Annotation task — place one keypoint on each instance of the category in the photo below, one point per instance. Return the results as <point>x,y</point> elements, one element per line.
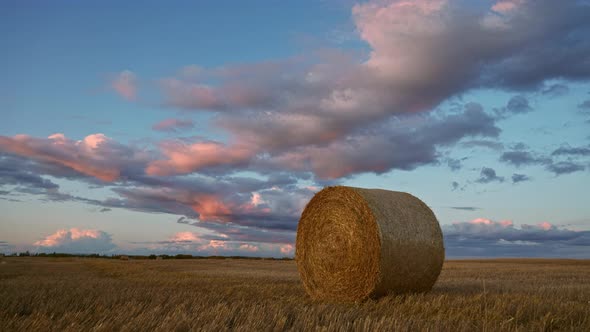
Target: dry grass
<point>41,294</point>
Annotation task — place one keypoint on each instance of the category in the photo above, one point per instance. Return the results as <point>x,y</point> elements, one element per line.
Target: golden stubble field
<point>89,294</point>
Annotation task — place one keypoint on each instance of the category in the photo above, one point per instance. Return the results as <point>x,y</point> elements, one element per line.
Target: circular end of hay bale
<point>355,243</point>
<point>338,246</point>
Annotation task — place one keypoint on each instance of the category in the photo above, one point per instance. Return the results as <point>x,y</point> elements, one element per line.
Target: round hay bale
<point>355,243</point>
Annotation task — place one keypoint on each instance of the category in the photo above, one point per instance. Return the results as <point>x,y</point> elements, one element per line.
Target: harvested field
<point>40,294</point>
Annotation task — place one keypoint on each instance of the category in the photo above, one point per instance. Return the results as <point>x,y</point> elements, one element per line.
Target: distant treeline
<point>179,256</point>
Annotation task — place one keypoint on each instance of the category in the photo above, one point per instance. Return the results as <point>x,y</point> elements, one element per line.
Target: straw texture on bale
<point>355,243</point>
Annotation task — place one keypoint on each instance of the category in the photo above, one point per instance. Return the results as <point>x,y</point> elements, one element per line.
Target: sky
<point>205,127</point>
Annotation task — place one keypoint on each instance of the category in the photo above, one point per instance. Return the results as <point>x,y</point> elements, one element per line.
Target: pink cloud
<point>287,249</point>
<point>185,237</point>
<point>191,95</point>
<point>185,158</point>
<point>92,156</point>
<point>256,199</point>
<point>505,6</point>
<point>173,125</point>
<point>249,247</point>
<point>483,221</point>
<point>545,225</point>
<point>125,84</point>
<point>76,240</point>
<point>211,207</point>
<point>488,222</point>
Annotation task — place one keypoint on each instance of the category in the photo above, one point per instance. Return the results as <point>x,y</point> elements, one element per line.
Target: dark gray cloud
<point>488,175</point>
<point>572,151</point>
<point>516,105</point>
<point>585,105</point>
<point>519,146</point>
<point>487,238</point>
<point>517,178</point>
<point>493,145</point>
<point>183,220</point>
<point>455,185</point>
<point>565,167</point>
<point>555,90</point>
<point>454,164</point>
<point>18,172</point>
<point>465,208</point>
<point>523,158</point>
<point>413,141</point>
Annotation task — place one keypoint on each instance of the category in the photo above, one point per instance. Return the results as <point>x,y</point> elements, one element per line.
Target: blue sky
<point>205,127</point>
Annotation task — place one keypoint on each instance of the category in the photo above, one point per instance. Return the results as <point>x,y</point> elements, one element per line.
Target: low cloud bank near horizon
<point>487,238</point>
<point>478,238</point>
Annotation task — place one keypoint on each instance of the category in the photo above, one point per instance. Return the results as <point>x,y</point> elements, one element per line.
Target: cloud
<point>125,85</point>
<point>292,108</point>
<point>465,208</point>
<point>12,172</point>
<point>413,138</point>
<point>225,200</point>
<point>219,243</point>
<point>76,241</point>
<point>173,125</point>
<point>454,164</point>
<point>517,178</point>
<point>287,249</point>
<point>565,167</point>
<point>572,151</point>
<point>488,175</point>
<point>555,90</point>
<point>498,146</point>
<point>183,158</point>
<point>96,155</point>
<point>516,105</point>
<point>487,238</point>
<point>584,106</point>
<point>523,158</point>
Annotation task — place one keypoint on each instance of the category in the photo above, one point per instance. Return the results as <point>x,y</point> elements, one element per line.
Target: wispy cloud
<point>488,175</point>
<point>125,85</point>
<point>517,178</point>
<point>173,125</point>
